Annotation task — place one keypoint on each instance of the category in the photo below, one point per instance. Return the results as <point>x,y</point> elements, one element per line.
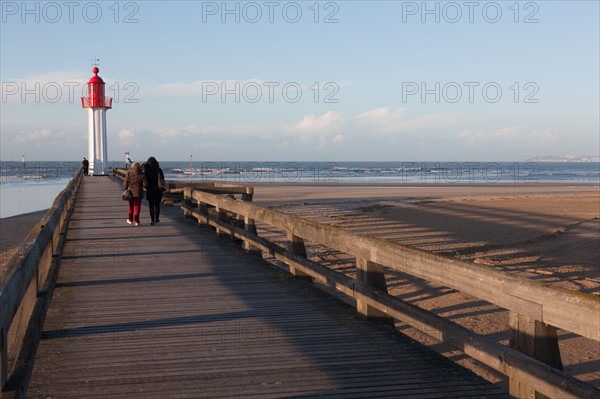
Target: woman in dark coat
<point>154,193</point>
<point>135,182</point>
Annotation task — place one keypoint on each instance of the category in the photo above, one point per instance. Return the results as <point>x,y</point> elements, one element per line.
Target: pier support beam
<point>250,227</point>
<point>371,274</point>
<point>187,201</point>
<point>296,246</point>
<point>536,339</point>
<point>222,216</point>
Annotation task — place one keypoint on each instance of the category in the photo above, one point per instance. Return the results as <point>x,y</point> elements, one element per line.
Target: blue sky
<point>339,81</point>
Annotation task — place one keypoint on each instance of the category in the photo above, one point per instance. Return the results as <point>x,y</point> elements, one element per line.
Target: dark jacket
<point>134,181</point>
<point>153,193</point>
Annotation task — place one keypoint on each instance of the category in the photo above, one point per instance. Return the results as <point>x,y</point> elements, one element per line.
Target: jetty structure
<point>92,307</point>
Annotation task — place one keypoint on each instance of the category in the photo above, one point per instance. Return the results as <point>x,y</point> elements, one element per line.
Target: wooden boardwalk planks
<point>170,311</point>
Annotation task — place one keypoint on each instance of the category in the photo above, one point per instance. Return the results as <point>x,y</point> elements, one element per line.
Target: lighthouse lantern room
<point>97,104</point>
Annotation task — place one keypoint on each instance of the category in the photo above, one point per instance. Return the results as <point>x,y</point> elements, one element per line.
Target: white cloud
<point>61,87</point>
<point>195,131</point>
<point>314,130</point>
<point>388,120</point>
<point>340,138</point>
<point>509,134</point>
<point>315,125</point>
<point>323,129</point>
<point>38,137</point>
<point>127,136</point>
<point>49,88</point>
<point>39,144</point>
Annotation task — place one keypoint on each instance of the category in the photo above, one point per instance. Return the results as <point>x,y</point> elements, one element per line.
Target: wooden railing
<point>175,187</point>
<point>26,289</point>
<point>536,310</point>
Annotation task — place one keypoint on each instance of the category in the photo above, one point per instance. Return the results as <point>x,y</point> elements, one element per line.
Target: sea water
<point>382,172</point>
<point>33,186</point>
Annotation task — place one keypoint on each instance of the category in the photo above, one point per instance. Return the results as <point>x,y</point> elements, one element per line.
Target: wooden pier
<point>94,307</point>
<point>172,311</point>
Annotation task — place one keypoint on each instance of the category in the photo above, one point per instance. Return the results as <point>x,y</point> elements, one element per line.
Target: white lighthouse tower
<point>97,105</point>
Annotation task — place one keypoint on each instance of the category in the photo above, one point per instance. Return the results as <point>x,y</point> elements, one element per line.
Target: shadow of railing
<point>536,310</point>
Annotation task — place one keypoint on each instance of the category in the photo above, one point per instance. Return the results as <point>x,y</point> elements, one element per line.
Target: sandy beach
<point>546,232</point>
<point>13,231</point>
<point>549,233</point>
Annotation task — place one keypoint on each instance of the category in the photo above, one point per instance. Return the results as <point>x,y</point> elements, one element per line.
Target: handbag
<point>162,185</point>
<point>127,195</point>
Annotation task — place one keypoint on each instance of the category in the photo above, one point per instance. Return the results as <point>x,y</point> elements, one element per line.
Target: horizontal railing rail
<point>26,288</point>
<point>529,302</point>
<point>177,186</point>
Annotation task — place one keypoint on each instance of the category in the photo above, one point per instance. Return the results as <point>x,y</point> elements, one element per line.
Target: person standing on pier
<point>155,185</point>
<point>128,161</point>
<point>135,182</point>
<point>85,165</point>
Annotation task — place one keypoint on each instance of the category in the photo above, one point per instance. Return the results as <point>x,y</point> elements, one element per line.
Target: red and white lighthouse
<point>97,105</point>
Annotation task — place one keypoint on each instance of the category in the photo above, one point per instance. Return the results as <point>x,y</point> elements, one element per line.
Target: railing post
<point>187,201</point>
<point>221,216</point>
<point>372,274</point>
<point>236,220</point>
<point>537,340</point>
<point>250,227</point>
<point>296,246</point>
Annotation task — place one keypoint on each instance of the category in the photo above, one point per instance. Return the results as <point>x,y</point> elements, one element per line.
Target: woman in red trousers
<point>134,181</point>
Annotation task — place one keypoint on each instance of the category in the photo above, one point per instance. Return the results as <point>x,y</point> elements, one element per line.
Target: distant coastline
<point>562,158</point>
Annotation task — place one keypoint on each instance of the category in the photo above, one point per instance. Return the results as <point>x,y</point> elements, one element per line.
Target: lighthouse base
<point>97,154</point>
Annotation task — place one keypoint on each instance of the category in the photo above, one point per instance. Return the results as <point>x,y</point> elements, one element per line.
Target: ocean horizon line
<point>579,159</point>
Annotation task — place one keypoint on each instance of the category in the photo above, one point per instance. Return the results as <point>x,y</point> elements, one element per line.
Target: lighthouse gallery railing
<point>85,102</point>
